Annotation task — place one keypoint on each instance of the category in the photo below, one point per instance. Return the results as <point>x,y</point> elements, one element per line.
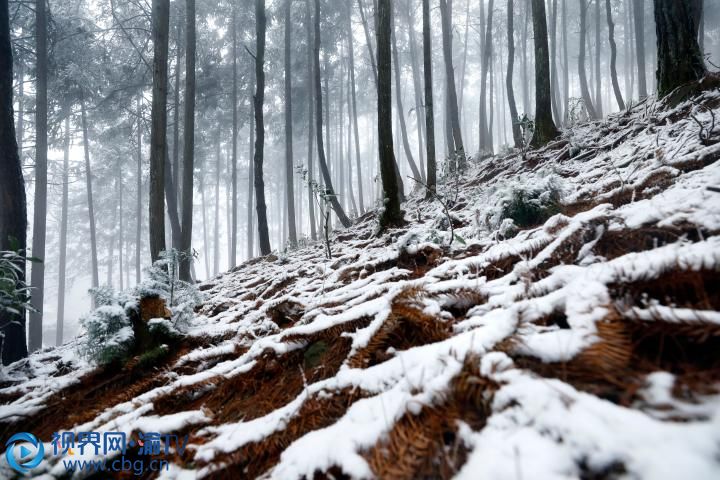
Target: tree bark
<point>311,124</point>
<point>417,83</point>
<point>260,25</point>
<point>289,186</point>
<point>329,191</point>
<point>234,146</point>
<point>13,208</point>
<point>251,232</point>
<point>63,233</point>
<point>391,214</point>
<point>613,56</point>
<point>585,91</point>
<point>138,209</point>
<point>176,111</point>
<point>545,129</point>
<point>459,150</point>
<point>566,64</point>
<point>158,129</point>
<point>40,221</point>
<point>485,134</point>
<point>90,202</point>
<point>361,7</point>
<point>598,73</point>
<point>517,136</point>
<point>639,17</point>
<point>188,143</point>
<point>553,64</point>
<point>429,112</point>
<point>680,59</point>
<point>216,223</point>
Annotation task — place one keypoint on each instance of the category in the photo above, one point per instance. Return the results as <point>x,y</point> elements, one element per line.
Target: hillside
<point>580,342</point>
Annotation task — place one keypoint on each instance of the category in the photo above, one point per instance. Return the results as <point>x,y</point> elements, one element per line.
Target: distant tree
<point>13,214</point>
<point>639,17</point>
<point>613,56</point>
<point>259,101</point>
<point>486,142</point>
<point>454,118</point>
<point>391,213</point>
<point>680,59</point>
<point>545,129</point>
<point>158,129</point>
<point>584,89</point>
<point>329,190</point>
<point>517,140</point>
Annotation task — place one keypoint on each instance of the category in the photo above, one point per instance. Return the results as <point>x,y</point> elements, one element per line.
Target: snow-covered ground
<point>585,347</point>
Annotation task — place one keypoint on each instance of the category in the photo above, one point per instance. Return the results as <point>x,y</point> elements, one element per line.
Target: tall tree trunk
<point>545,129</point>
<point>330,192</point>
<point>91,203</point>
<point>188,143</point>
<point>517,138</point>
<point>138,209</point>
<point>13,207</point>
<point>553,64</point>
<point>216,222</point>
<point>581,61</point>
<point>158,129</point>
<point>350,189</point>
<point>356,134</point>
<point>233,158</point>
<point>639,17</point>
<point>21,110</point>
<point>680,59</point>
<point>121,229</point>
<point>368,40</point>
<point>40,205</point>
<point>311,124</point>
<point>485,133</point>
<point>289,190</point>
<point>391,214</point>
<point>260,25</point>
<point>401,114</point>
<point>63,233</point>
<point>429,112</point>
<point>251,232</point>
<point>566,64</point>
<point>464,61</point>
<point>524,42</point>
<point>176,111</point>
<point>613,56</point>
<point>417,82</point>
<point>598,73</point>
<point>459,150</point>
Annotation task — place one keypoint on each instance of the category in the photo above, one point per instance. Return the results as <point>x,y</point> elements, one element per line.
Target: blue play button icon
<point>24,451</point>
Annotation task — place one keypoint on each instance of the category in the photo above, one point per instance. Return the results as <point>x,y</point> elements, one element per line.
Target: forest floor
<point>583,345</point>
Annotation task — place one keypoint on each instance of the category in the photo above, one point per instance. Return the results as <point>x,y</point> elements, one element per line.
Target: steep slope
<point>584,345</point>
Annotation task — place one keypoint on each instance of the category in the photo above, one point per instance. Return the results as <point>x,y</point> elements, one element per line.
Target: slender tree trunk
<point>485,133</point>
<point>251,191</point>
<point>351,55</point>
<point>368,40</point>
<point>158,142</point>
<point>40,205</point>
<point>517,139</point>
<point>613,56</point>
<point>21,110</point>
<point>524,42</point>
<point>233,159</point>
<point>329,191</point>
<point>429,113</point>
<point>417,82</point>
<point>216,223</point>
<point>459,150</point>
<point>89,190</point>
<point>63,233</point>
<point>189,142</point>
<point>680,59</point>
<point>311,124</point>
<point>289,192</point>
<point>350,189</point>
<point>553,64</point>
<point>639,17</point>
<point>138,209</point>
<point>13,207</point>
<point>400,110</point>
<point>260,24</point>
<point>598,73</point>
<point>391,214</point>
<point>566,63</point>
<point>176,111</point>
<point>545,129</point>
<point>121,229</point>
<point>581,61</point>
<point>464,61</point>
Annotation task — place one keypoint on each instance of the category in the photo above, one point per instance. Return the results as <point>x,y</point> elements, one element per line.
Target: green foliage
<point>109,334</point>
<point>14,293</point>
<point>313,355</point>
<point>532,205</point>
<point>153,356</point>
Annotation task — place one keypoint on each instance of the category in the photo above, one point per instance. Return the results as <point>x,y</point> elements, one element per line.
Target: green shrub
<point>109,334</point>
<point>529,205</point>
